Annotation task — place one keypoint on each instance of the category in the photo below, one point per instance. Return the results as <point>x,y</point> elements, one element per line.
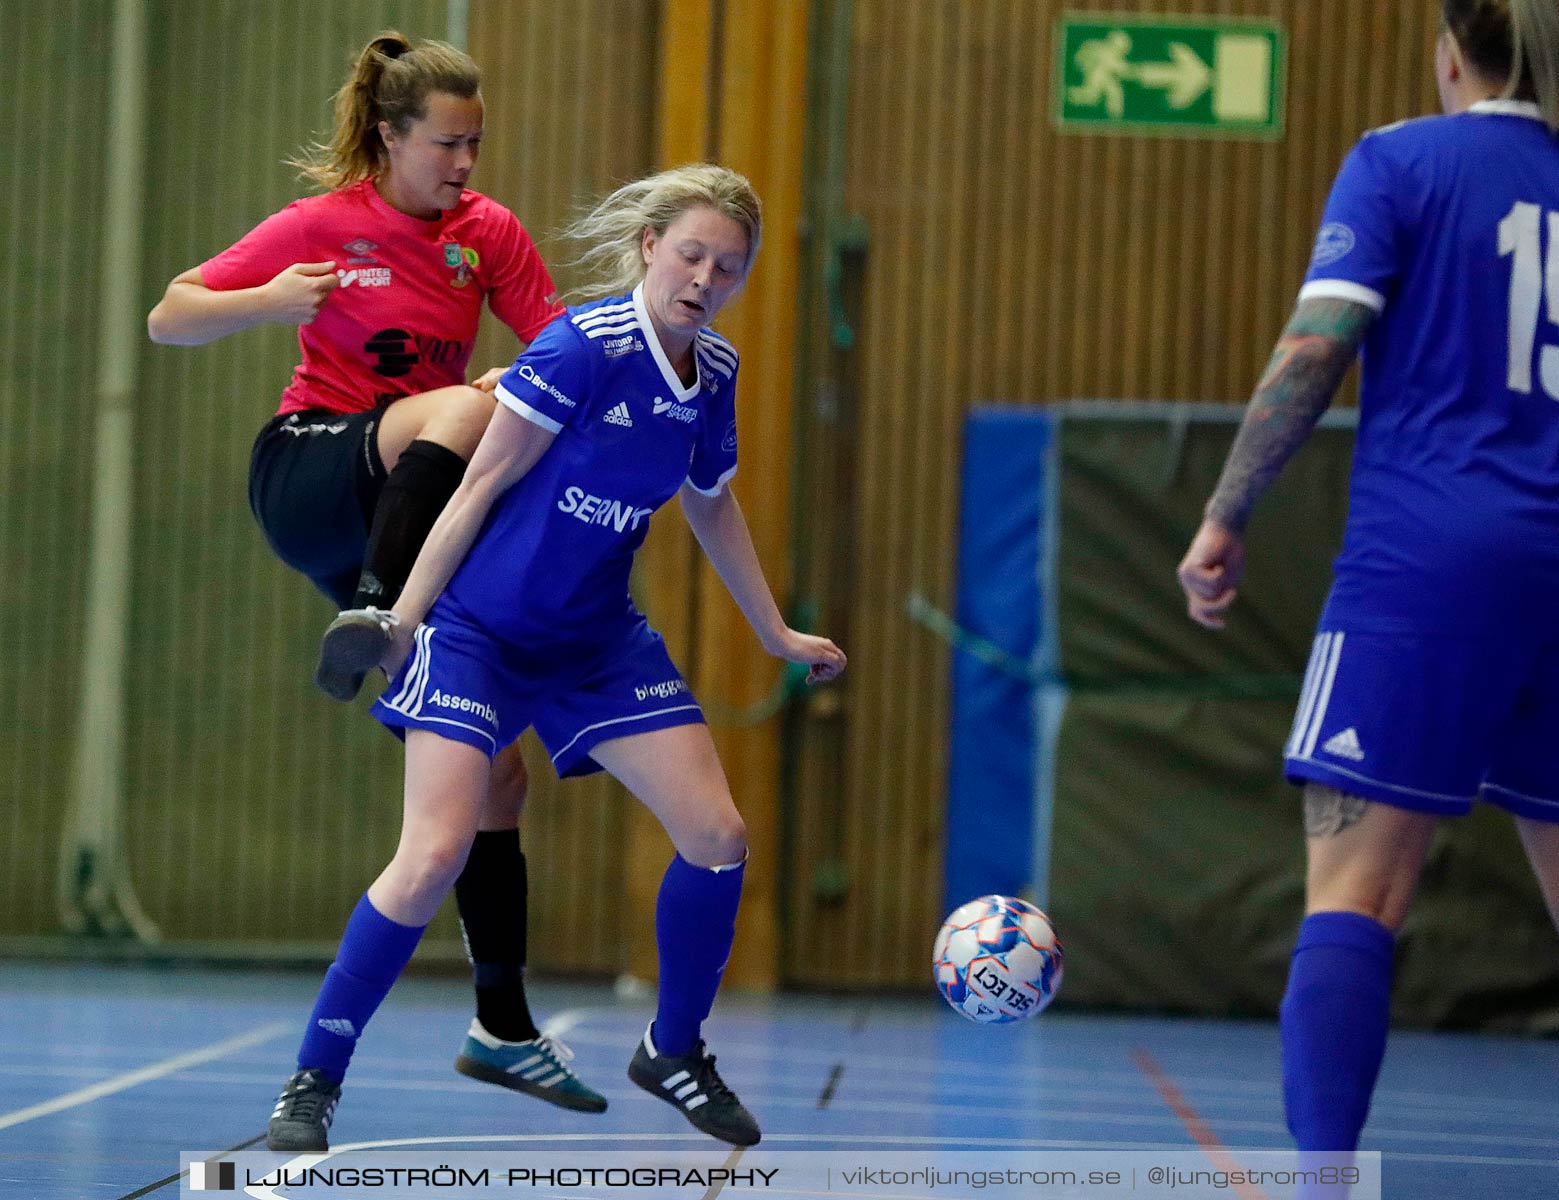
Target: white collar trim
<point>1508,108</point>
<point>682,391</point>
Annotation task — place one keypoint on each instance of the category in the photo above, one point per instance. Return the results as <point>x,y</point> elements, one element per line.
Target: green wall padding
<point>1177,861</point>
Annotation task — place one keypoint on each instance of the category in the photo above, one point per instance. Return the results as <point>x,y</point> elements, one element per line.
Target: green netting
<point>1177,860</point>
<point>1130,495</point>
<point>1177,870</point>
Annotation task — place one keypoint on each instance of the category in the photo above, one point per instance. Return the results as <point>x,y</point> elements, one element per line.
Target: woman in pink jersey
<point>384,274</point>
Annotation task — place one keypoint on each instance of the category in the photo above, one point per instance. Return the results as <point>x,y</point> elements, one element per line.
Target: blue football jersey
<point>550,565</point>
<point>1448,227</point>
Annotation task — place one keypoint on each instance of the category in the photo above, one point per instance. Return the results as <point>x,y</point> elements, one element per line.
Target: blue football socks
<point>1335,1015</point>
<point>374,950</point>
<point>695,924</point>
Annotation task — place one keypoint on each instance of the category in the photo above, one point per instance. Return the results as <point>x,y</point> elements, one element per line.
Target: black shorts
<point>314,479</point>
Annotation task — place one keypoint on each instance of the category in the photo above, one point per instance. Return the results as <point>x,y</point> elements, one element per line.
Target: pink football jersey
<point>404,317</point>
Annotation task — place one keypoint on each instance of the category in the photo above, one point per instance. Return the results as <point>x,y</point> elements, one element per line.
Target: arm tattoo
<point>1307,364</point>
<point>1328,812</point>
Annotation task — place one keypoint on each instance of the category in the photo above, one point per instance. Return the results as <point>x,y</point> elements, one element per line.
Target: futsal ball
<point>997,960</point>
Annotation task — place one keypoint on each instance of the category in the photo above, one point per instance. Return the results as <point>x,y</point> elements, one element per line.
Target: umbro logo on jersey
<point>339,1026</point>
<point>1345,745</point>
<point>360,246</point>
<point>620,416</point>
<point>677,412</point>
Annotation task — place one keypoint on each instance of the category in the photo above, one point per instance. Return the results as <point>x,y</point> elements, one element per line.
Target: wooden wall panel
<point>733,80</point>
<point>256,810</point>
<point>666,571</point>
<point>761,133</point>
<point>52,128</point>
<point>1010,261</point>
<point>570,92</point>
<point>1002,259</point>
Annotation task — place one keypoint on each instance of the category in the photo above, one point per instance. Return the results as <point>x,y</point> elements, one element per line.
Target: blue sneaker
<point>538,1068</point>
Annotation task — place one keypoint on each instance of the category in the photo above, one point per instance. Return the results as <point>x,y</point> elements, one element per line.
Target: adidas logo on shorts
<point>620,416</point>
<point>1345,745</point>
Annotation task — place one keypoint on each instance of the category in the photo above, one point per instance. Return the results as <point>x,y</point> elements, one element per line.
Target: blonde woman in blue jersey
<point>1435,675</point>
<point>517,614</point>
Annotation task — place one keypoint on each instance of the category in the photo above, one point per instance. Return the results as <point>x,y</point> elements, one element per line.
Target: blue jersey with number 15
<point>1448,227</point>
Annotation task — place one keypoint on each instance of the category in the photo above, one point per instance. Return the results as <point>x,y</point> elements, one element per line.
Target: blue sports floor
<point>111,1071</point>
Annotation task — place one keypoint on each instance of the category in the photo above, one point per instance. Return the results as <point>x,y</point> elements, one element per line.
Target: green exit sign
<point>1127,73</point>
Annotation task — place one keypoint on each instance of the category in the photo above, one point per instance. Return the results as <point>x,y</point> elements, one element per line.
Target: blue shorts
<point>1431,723</point>
<point>464,685</point>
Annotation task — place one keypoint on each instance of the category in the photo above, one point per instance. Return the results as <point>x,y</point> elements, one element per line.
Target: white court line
<point>564,1021</point>
<point>1388,1125</point>
<point>156,1071</point>
<point>804,1100</point>
<point>1208,1089</point>
<point>1386,1130</point>
<point>1202,1087</point>
<point>1036,1071</point>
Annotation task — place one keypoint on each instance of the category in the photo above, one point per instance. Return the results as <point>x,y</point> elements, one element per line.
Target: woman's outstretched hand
<point>824,659</point>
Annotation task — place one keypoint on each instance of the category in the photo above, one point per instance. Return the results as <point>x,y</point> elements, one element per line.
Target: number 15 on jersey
<point>1531,280</point>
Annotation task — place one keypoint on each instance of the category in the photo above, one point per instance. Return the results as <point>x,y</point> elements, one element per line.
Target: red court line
<point>1199,1130</point>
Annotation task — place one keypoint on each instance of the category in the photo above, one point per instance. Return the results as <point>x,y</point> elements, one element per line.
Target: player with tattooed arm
<point>1434,679</point>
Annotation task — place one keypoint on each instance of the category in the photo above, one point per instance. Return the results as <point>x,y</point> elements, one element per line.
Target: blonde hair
<point>1534,36</point>
<point>391,82</point>
<point>613,231</point>
<point>1512,40</point>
